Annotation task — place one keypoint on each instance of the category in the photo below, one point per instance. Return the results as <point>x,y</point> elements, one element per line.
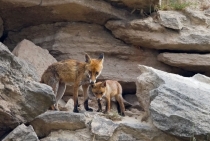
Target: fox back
<point>68,71</point>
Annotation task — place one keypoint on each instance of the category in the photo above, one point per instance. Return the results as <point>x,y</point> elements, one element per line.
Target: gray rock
<point>22,133</point>
<point>57,120</point>
<point>67,135</point>
<point>22,98</point>
<point>102,128</point>
<point>35,55</point>
<point>190,62</point>
<point>149,33</point>
<point>179,105</point>
<point>132,129</point>
<point>171,19</point>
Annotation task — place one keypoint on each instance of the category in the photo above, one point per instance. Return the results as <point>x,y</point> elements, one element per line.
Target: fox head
<point>99,89</point>
<point>94,67</point>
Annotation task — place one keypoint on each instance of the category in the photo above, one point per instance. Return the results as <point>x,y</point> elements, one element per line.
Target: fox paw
<point>89,109</point>
<point>99,110</point>
<point>76,111</point>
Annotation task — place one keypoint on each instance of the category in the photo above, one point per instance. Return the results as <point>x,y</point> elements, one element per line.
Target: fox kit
<point>62,73</point>
<point>108,89</point>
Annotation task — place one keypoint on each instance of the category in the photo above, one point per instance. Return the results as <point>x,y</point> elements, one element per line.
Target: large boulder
<point>21,13</point>
<point>150,33</point>
<point>22,133</point>
<point>57,120</point>
<point>35,55</point>
<point>191,62</point>
<point>22,98</point>
<point>178,105</point>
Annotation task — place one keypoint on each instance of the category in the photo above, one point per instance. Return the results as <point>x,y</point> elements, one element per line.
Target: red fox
<point>59,74</point>
<point>108,89</point>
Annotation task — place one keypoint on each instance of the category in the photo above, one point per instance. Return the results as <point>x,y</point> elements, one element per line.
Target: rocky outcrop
<point>22,98</point>
<point>21,133</point>
<point>149,33</point>
<point>176,103</point>
<point>35,55</point>
<point>57,120</point>
<point>191,62</point>
<point>18,14</point>
<point>72,40</point>
<point>100,129</point>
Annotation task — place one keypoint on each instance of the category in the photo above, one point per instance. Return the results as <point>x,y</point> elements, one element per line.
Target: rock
<point>171,19</point>
<point>71,40</point>
<point>10,4</point>
<point>132,129</point>
<point>139,5</point>
<point>198,17</point>
<point>22,98</point>
<point>21,133</point>
<point>70,105</point>
<point>57,120</point>
<point>1,27</point>
<point>207,12</point>
<point>190,62</point>
<point>149,33</point>
<point>176,103</point>
<point>67,135</point>
<point>102,128</point>
<point>38,57</point>
<point>18,14</point>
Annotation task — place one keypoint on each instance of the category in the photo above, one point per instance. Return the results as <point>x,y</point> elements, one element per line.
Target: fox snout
<point>92,82</point>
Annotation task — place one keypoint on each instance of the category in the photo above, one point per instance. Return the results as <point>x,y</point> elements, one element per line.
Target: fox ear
<point>87,58</point>
<point>103,84</point>
<point>101,57</point>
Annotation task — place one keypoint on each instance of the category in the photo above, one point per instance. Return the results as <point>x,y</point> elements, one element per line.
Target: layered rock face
<point>72,10</point>
<point>166,107</point>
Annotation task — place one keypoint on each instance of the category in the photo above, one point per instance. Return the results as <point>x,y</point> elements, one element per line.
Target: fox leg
<point>54,83</point>
<point>85,95</point>
<point>99,106</point>
<point>60,92</point>
<point>75,96</point>
<point>108,105</point>
<point>119,99</point>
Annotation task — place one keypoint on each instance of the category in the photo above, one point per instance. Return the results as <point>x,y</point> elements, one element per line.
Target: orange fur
<point>107,90</point>
<point>73,72</point>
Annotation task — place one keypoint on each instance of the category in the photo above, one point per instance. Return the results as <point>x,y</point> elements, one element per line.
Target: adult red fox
<point>108,89</point>
<point>75,73</point>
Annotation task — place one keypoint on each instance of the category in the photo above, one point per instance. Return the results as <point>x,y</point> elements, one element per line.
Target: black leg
<point>76,107</point>
<point>86,106</point>
<point>99,106</point>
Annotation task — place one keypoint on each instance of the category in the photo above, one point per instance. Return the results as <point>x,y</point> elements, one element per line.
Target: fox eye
<point>101,93</point>
<point>96,73</point>
<point>90,72</point>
